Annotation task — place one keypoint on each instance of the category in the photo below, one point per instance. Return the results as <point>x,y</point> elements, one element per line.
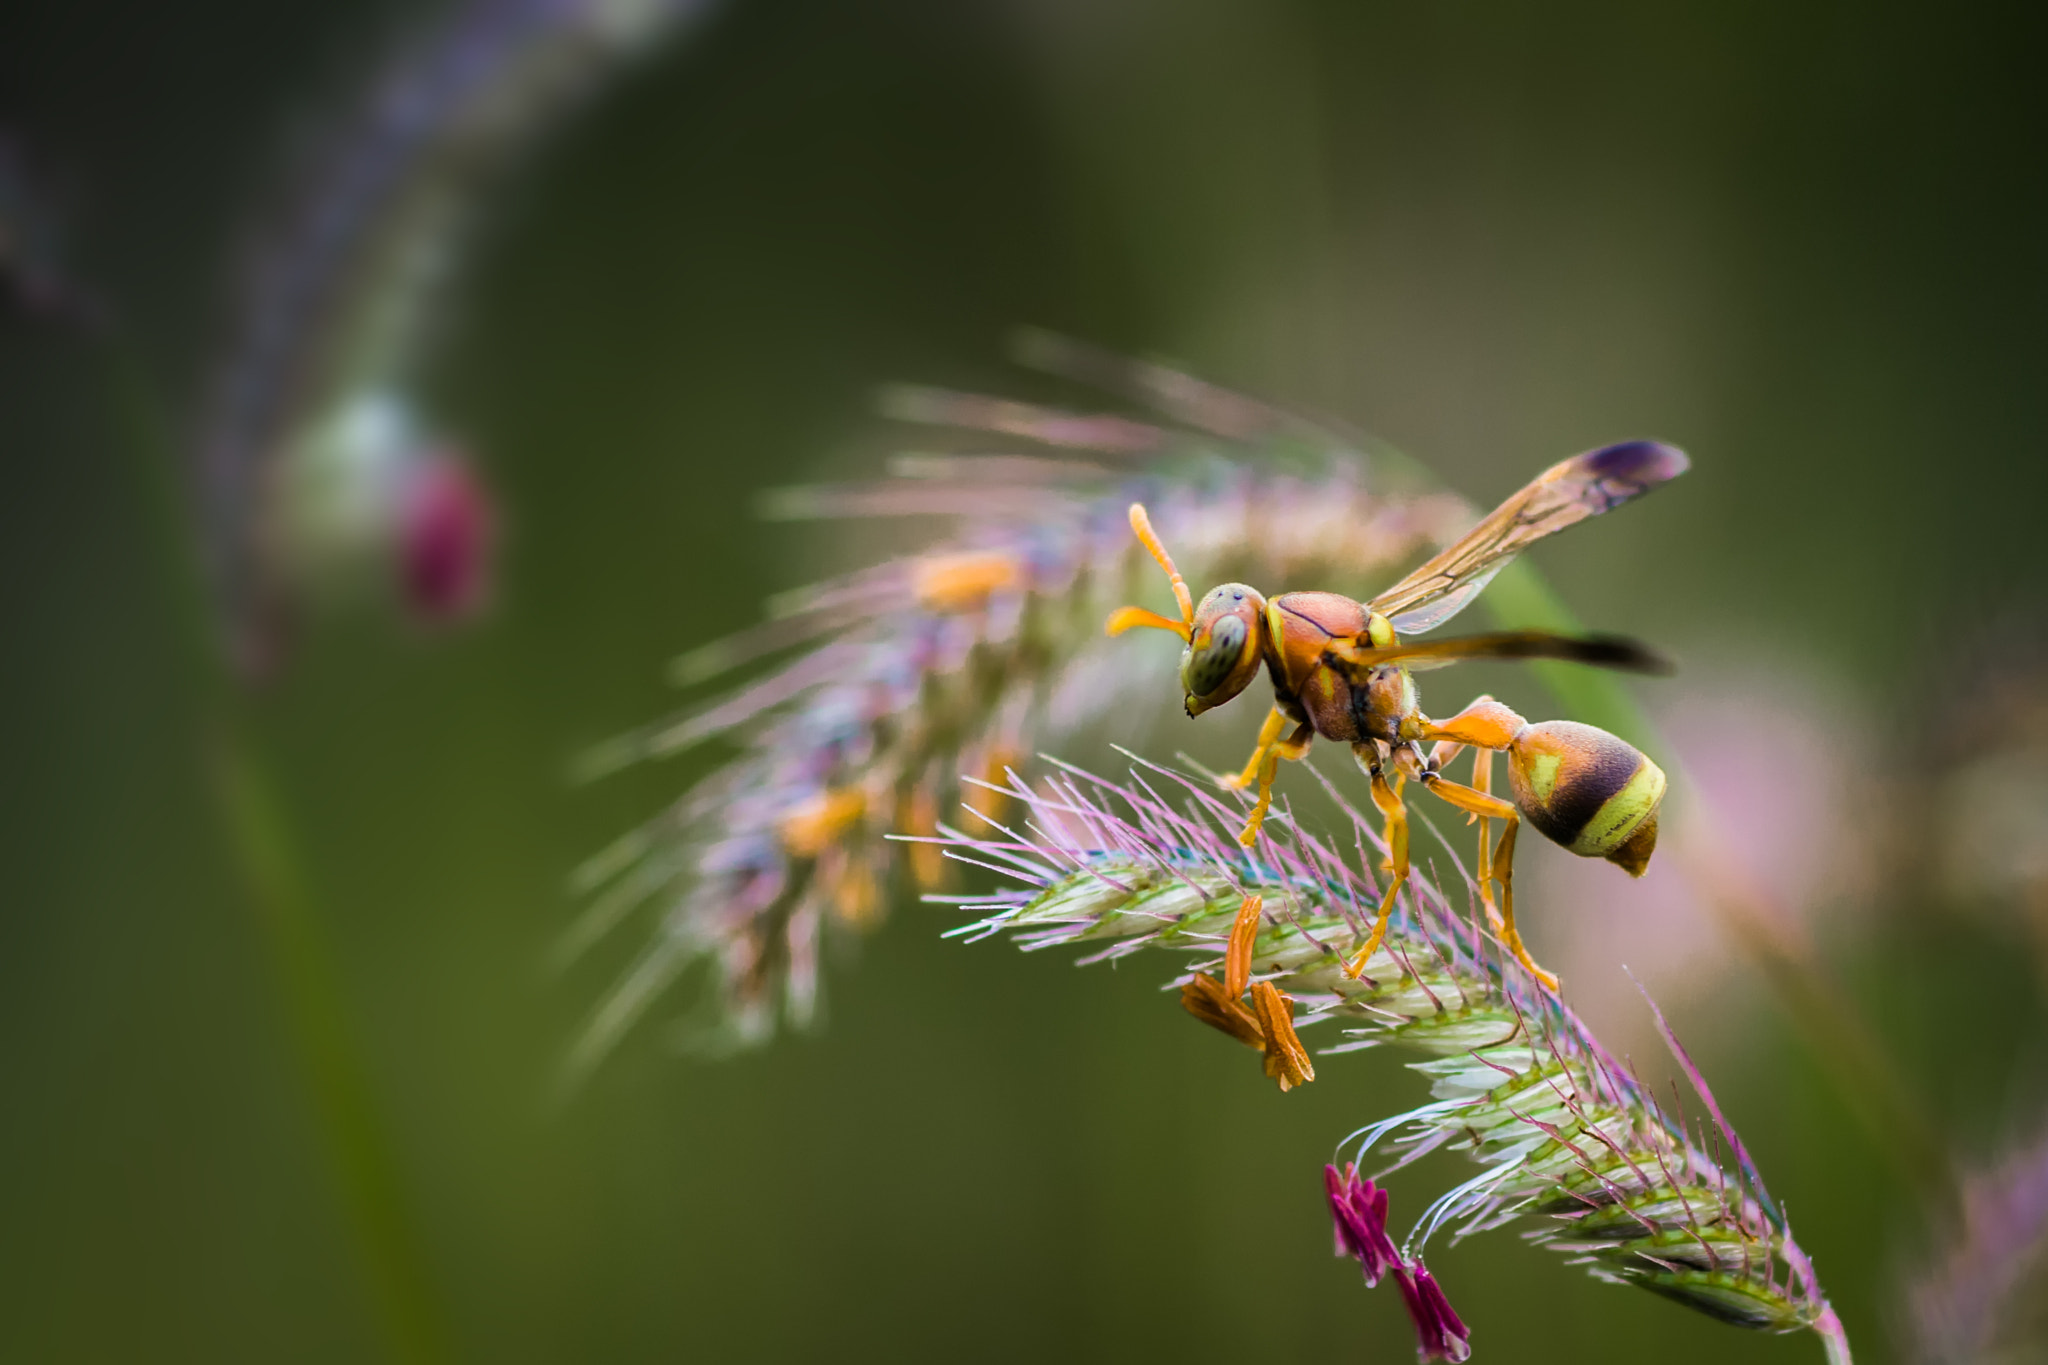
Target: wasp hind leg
<point>1499,867</point>
<point>1486,725</point>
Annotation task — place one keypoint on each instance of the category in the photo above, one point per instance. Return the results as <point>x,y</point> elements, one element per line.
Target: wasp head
<point>1222,634</point>
<point>1223,646</point>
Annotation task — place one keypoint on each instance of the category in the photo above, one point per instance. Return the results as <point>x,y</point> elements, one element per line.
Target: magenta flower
<point>1359,1210</point>
<point>1439,1332</point>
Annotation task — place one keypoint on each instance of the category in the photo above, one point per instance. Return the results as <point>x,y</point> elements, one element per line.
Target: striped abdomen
<point>1587,790</point>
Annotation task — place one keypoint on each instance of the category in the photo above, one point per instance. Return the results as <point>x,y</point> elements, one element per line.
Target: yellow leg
<point>1388,799</point>
<point>1269,735</point>
<point>1293,747</point>
<point>1482,782</point>
<point>1485,724</point>
<point>1500,867</point>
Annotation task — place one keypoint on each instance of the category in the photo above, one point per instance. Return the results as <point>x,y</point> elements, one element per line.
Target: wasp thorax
<point>1223,647</point>
<point>1589,791</point>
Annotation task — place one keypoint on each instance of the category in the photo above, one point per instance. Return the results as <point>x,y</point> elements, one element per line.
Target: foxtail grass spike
<point>1566,1138</point>
<point>963,657</point>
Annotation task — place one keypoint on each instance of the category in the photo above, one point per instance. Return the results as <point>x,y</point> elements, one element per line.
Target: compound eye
<point>1209,667</point>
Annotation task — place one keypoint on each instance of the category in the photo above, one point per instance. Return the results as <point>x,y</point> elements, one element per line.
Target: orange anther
<point>1204,997</point>
<point>1286,1059</point>
<point>1237,957</point>
<point>809,829</point>
<point>961,582</point>
<point>918,813</point>
<point>856,896</point>
<point>996,765</point>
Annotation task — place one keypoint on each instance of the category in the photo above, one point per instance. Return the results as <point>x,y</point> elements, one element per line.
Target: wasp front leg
<point>1290,749</point>
<point>1387,797</point>
<point>1269,735</point>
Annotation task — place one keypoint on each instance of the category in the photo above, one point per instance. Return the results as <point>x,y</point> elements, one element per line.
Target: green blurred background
<point>1803,241</point>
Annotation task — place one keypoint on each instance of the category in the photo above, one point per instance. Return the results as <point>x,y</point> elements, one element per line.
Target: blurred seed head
<point>1980,1299</point>
<point>446,526</point>
<point>368,500</point>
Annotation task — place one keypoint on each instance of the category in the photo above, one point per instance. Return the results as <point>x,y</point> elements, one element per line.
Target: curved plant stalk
<point>339,291</point>
<point>961,658</point>
<point>1612,1175</point>
<point>988,645</point>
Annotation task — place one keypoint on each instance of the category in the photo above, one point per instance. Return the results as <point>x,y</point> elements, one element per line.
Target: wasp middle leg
<point>1387,797</point>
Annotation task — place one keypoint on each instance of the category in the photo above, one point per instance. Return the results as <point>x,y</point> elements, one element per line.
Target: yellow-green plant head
<point>1223,647</point>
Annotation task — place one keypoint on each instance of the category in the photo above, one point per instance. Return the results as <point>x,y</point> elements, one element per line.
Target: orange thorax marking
<point>1302,624</point>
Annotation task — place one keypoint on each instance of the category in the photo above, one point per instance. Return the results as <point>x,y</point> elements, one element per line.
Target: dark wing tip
<point>1619,651</point>
<point>1643,463</point>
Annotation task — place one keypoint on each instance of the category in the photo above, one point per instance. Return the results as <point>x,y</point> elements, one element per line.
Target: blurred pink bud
<point>446,534</point>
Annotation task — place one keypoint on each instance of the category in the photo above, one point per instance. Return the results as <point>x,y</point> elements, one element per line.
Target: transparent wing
<point>1433,613</point>
<point>1563,495</point>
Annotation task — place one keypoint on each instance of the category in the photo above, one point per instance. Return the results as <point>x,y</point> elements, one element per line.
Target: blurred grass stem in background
<point>256,839</point>
<point>1779,950</point>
